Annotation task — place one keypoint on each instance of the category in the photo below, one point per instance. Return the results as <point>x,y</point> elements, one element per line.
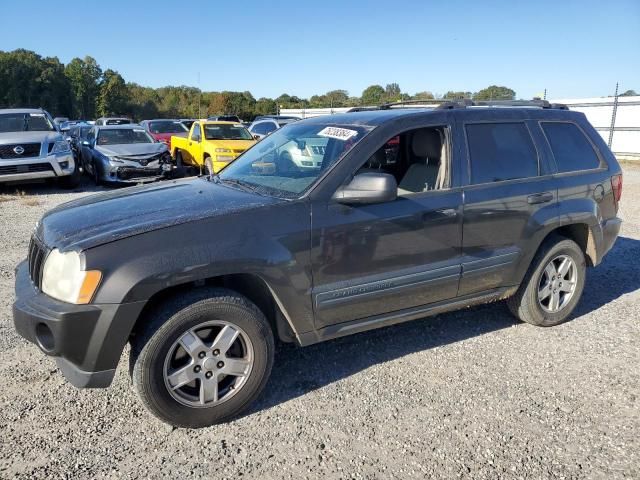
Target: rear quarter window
<point>501,151</point>
<point>571,148</point>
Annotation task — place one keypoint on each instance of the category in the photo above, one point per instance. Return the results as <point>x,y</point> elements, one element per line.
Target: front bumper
<point>86,340</point>
<point>34,168</point>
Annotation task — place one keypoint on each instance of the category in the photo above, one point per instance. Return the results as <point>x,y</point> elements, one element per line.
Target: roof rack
<point>447,104</point>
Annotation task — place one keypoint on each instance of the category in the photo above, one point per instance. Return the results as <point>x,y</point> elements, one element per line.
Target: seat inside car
<point>426,147</point>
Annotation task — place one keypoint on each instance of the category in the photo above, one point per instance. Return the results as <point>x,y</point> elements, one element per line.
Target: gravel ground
<point>470,394</point>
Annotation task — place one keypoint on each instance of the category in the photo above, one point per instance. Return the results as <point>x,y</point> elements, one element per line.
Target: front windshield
<point>167,126</point>
<point>123,136</point>
<point>23,122</point>
<point>290,160</point>
<point>226,131</point>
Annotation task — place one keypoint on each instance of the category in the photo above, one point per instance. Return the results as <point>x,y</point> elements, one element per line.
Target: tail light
<point>616,185</point>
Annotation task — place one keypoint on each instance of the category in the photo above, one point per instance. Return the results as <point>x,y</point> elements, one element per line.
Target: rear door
<point>510,200</point>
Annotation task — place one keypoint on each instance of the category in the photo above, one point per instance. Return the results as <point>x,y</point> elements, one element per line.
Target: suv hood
<point>29,137</point>
<point>103,218</point>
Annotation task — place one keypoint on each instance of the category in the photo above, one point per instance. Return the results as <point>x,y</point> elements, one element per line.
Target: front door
<point>375,259</point>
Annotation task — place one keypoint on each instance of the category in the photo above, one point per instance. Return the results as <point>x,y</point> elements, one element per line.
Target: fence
<point>620,128</point>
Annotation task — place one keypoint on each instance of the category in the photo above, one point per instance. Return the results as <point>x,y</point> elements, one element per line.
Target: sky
<point>573,48</point>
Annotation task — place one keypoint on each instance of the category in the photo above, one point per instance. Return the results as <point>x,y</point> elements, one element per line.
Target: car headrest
<point>426,143</point>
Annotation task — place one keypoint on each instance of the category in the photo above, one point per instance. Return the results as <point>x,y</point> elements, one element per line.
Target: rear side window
<point>571,149</point>
<point>501,151</point>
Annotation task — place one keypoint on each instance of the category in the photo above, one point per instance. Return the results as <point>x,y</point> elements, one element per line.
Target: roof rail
<point>449,103</point>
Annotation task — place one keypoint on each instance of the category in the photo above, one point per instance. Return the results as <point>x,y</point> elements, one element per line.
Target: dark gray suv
<point>410,212</point>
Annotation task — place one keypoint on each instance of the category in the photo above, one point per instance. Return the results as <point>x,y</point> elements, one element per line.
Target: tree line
<point>82,89</point>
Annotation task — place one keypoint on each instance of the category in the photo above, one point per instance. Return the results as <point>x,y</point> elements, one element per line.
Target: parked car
<point>211,145</point>
<point>60,120</point>
<point>124,154</point>
<point>162,130</point>
<point>32,148</point>
<point>113,121</point>
<point>187,122</point>
<point>414,212</point>
<point>225,118</point>
<point>67,125</point>
<point>75,136</point>
<point>265,125</point>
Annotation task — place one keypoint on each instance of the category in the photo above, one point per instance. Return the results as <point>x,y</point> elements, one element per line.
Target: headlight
<point>63,279</point>
<point>224,158</point>
<point>61,146</point>
<point>223,150</point>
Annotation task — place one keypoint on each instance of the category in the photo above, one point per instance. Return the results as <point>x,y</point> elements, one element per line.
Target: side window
<point>501,151</point>
<point>195,134</point>
<point>418,159</point>
<point>571,149</point>
<point>91,135</point>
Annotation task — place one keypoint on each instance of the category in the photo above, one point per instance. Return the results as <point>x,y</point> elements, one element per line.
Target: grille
<point>128,173</point>
<point>30,150</point>
<point>317,149</point>
<point>33,168</point>
<point>37,255</point>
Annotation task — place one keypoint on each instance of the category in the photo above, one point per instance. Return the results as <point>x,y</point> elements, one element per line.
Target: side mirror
<point>256,137</point>
<point>367,188</point>
<point>87,143</point>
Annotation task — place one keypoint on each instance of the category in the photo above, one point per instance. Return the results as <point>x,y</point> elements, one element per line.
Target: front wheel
<point>552,287</point>
<point>203,358</point>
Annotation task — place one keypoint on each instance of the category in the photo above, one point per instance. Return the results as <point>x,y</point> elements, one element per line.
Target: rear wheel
<point>553,285</point>
<point>204,358</point>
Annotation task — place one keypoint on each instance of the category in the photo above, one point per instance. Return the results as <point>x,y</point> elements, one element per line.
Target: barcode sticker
<point>337,133</point>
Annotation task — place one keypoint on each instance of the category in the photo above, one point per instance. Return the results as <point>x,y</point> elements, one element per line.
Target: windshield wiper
<point>246,186</point>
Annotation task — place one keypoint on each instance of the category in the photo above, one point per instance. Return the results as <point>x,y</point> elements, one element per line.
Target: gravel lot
<point>471,394</point>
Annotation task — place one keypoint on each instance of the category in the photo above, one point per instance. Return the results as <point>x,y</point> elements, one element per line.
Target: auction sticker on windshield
<point>337,133</point>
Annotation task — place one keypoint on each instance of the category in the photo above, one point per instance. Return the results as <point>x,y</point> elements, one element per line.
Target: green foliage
<point>82,90</point>
<point>373,95</point>
<point>629,93</point>
<point>495,92</point>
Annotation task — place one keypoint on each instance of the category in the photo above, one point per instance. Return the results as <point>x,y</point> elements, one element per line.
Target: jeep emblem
<point>18,150</point>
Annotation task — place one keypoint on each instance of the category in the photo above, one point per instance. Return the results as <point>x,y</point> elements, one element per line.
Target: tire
<point>539,283</point>
<point>96,175</point>
<point>179,160</point>
<point>152,358</point>
<point>208,166</point>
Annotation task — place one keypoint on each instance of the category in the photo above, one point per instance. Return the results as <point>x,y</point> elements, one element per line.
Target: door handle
<point>539,198</point>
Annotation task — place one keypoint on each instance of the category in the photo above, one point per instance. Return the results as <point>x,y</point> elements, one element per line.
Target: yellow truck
<point>211,145</point>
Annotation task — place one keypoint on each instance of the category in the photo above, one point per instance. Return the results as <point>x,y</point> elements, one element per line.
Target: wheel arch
<point>252,286</point>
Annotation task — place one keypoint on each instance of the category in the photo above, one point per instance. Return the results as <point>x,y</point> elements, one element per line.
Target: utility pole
<point>199,97</point>
<point>545,94</point>
<point>613,116</point>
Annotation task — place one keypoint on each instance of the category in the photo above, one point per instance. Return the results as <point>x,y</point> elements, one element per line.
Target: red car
<point>162,129</point>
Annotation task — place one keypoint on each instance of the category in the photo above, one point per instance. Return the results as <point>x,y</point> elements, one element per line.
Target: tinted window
<point>263,128</point>
<point>501,151</point>
<point>570,147</point>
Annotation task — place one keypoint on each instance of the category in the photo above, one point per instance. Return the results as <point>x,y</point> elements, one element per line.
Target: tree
<point>392,93</point>
<point>629,93</point>
<point>495,92</point>
<point>114,96</point>
<point>458,95</point>
<point>84,77</point>
<point>372,95</point>
<point>423,96</point>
